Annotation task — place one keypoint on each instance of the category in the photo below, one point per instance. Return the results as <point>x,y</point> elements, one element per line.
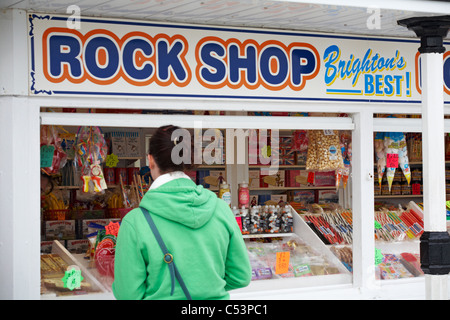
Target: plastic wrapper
<point>332,225</point>
<point>300,140</point>
<point>304,261</point>
<point>324,151</point>
<point>380,155</point>
<point>50,139</point>
<point>311,155</point>
<point>344,254</point>
<point>90,152</point>
<point>392,268</point>
<point>412,263</point>
<point>414,143</point>
<point>346,151</point>
<point>395,144</point>
<point>395,226</point>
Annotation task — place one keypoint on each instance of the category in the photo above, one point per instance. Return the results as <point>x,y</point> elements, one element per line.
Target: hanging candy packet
<point>90,151</point>
<point>53,157</point>
<point>403,159</point>
<point>300,141</point>
<point>391,143</point>
<point>346,150</point>
<point>324,151</point>
<point>380,154</point>
<point>396,154</point>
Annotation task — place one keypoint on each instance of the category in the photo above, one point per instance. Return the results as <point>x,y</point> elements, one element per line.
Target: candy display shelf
<point>293,188</point>
<point>211,166</point>
<point>266,235</point>
<point>390,196</point>
<point>281,166</point>
<point>99,291</point>
<point>304,232</point>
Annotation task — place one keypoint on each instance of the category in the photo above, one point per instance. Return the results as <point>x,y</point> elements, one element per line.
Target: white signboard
<point>142,59</point>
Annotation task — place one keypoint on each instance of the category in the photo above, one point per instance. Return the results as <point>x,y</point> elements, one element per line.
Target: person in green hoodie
<point>198,228</point>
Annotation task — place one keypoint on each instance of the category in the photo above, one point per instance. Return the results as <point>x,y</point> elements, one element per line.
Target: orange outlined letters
<point>102,57</point>
<point>271,64</point>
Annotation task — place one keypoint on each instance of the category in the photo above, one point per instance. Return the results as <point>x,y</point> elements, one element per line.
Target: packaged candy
<point>300,140</point>
<point>324,151</point>
<point>380,155</point>
<point>90,152</point>
<point>396,155</point>
<point>53,157</point>
<point>346,150</point>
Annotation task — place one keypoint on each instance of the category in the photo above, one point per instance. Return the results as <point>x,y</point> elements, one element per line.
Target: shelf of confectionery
<point>93,286</point>
<point>292,188</point>
<point>400,196</point>
<point>281,166</point>
<point>267,235</point>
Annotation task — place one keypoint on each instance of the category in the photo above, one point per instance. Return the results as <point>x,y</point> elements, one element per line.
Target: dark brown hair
<point>161,145</point>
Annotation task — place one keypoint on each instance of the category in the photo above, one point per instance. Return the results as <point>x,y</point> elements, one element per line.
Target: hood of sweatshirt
<point>181,201</point>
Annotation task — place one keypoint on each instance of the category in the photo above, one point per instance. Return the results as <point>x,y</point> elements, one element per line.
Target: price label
<point>378,256</point>
<point>72,278</point>
<point>47,156</point>
<point>112,228</point>
<point>392,160</point>
<point>239,222</point>
<point>282,262</point>
<point>111,160</point>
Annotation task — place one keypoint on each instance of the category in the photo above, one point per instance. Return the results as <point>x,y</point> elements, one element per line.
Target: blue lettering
<point>389,90</point>
<point>303,63</point>
<point>330,55</point>
<point>365,65</point>
<point>237,63</point>
<point>64,50</point>
<point>129,59</point>
<point>398,84</point>
<point>447,72</point>
<point>283,66</point>
<point>378,84</point>
<point>91,53</point>
<point>369,88</point>
<point>210,55</point>
<point>169,59</point>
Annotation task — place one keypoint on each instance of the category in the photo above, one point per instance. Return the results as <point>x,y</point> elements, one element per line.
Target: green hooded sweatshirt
<point>199,230</point>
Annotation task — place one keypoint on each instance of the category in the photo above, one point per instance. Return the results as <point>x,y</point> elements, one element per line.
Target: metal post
<point>435,239</point>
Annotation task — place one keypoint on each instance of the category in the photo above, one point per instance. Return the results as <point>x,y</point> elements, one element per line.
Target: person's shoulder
<point>222,208</point>
<point>132,215</point>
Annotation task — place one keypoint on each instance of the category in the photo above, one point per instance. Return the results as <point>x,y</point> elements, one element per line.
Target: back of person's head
<point>161,144</point>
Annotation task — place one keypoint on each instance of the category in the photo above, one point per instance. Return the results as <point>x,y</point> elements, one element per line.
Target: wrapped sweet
<point>53,157</point>
<point>397,154</point>
<point>380,155</point>
<point>90,152</point>
<point>324,151</point>
<point>346,151</point>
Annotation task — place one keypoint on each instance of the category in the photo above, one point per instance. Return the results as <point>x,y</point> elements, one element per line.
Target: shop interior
<point>297,221</point>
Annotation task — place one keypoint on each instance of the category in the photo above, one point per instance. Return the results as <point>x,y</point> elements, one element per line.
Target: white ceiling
<point>339,16</point>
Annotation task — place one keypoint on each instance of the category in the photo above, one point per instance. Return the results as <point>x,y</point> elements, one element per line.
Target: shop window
<point>291,206</point>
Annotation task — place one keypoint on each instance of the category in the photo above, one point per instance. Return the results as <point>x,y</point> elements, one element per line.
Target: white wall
<point>19,165</point>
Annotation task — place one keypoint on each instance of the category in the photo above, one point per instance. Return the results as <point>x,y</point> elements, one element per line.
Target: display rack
<point>99,290</point>
<point>304,232</point>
